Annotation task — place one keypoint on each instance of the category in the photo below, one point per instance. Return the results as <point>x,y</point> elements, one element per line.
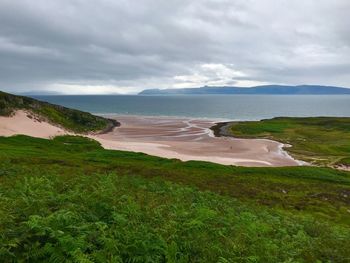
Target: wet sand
<point>180,138</point>
<point>191,139</point>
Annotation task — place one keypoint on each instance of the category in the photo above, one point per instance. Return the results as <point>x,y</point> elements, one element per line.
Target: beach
<point>191,139</point>
<point>181,138</point>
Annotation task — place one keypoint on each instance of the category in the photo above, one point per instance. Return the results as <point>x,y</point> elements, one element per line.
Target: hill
<point>69,119</point>
<point>69,200</point>
<point>266,89</point>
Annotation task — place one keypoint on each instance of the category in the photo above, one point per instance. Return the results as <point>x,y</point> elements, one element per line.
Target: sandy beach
<point>191,139</point>
<point>180,138</point>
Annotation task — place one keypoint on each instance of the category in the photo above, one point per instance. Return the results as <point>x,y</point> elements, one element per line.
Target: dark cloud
<point>125,46</point>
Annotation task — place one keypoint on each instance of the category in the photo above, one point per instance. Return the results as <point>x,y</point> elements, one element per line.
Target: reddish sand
<point>180,138</point>
<point>187,139</point>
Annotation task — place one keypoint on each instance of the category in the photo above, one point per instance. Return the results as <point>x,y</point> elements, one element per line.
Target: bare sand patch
<point>180,138</point>
<point>25,123</point>
<point>191,139</point>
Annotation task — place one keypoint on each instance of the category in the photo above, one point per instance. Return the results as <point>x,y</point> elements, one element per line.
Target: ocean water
<point>225,107</point>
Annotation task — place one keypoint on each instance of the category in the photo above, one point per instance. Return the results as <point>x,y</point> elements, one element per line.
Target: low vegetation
<point>70,200</point>
<point>70,119</point>
<point>319,140</point>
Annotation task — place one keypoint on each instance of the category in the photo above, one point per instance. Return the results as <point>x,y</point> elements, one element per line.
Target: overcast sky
<point>117,46</point>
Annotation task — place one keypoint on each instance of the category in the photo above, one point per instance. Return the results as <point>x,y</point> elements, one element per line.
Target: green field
<point>320,141</point>
<point>70,119</point>
<point>69,200</point>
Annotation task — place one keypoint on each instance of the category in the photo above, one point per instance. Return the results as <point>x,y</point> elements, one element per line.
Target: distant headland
<point>263,90</point>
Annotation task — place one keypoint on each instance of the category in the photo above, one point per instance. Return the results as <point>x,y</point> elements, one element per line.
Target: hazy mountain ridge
<point>265,89</point>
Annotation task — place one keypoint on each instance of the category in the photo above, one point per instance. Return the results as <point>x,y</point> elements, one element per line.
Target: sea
<point>220,107</point>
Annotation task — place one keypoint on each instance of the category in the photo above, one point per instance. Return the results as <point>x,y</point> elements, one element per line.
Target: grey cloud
<point>132,45</point>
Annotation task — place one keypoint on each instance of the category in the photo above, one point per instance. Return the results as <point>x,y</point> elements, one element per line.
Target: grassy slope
<point>68,198</point>
<point>322,140</point>
<point>73,120</point>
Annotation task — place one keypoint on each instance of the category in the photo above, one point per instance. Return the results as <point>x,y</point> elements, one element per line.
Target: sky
<point>123,46</point>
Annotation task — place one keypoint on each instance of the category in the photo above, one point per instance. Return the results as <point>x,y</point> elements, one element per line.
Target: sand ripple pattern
<point>191,139</point>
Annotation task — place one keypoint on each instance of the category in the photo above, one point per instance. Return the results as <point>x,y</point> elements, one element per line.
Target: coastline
<point>192,139</point>
<point>220,129</point>
<point>181,138</point>
<point>113,124</point>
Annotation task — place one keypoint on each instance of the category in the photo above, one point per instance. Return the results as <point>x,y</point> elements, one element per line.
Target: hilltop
<point>266,89</point>
<point>69,119</point>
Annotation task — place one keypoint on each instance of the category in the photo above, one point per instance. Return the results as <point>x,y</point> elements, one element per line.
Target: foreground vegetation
<point>70,119</point>
<point>68,199</point>
<point>321,140</point>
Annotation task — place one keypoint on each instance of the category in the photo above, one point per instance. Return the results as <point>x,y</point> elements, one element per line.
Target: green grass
<point>69,199</point>
<point>70,119</point>
<point>321,140</point>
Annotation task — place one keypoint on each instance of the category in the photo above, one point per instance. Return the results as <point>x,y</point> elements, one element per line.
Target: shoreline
<point>113,124</point>
<point>192,139</point>
<point>220,129</point>
<point>168,117</point>
<point>180,138</point>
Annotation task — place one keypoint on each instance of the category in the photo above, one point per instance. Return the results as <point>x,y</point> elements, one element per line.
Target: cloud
<point>124,46</point>
<point>210,75</point>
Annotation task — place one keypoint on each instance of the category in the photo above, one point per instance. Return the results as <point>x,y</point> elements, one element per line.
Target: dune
<point>25,123</point>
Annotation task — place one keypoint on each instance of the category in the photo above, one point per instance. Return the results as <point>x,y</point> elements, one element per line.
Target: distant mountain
<point>266,89</point>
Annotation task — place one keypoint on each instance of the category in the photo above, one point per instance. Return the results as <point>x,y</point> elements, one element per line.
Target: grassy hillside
<point>73,120</point>
<point>321,140</point>
<point>70,200</point>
